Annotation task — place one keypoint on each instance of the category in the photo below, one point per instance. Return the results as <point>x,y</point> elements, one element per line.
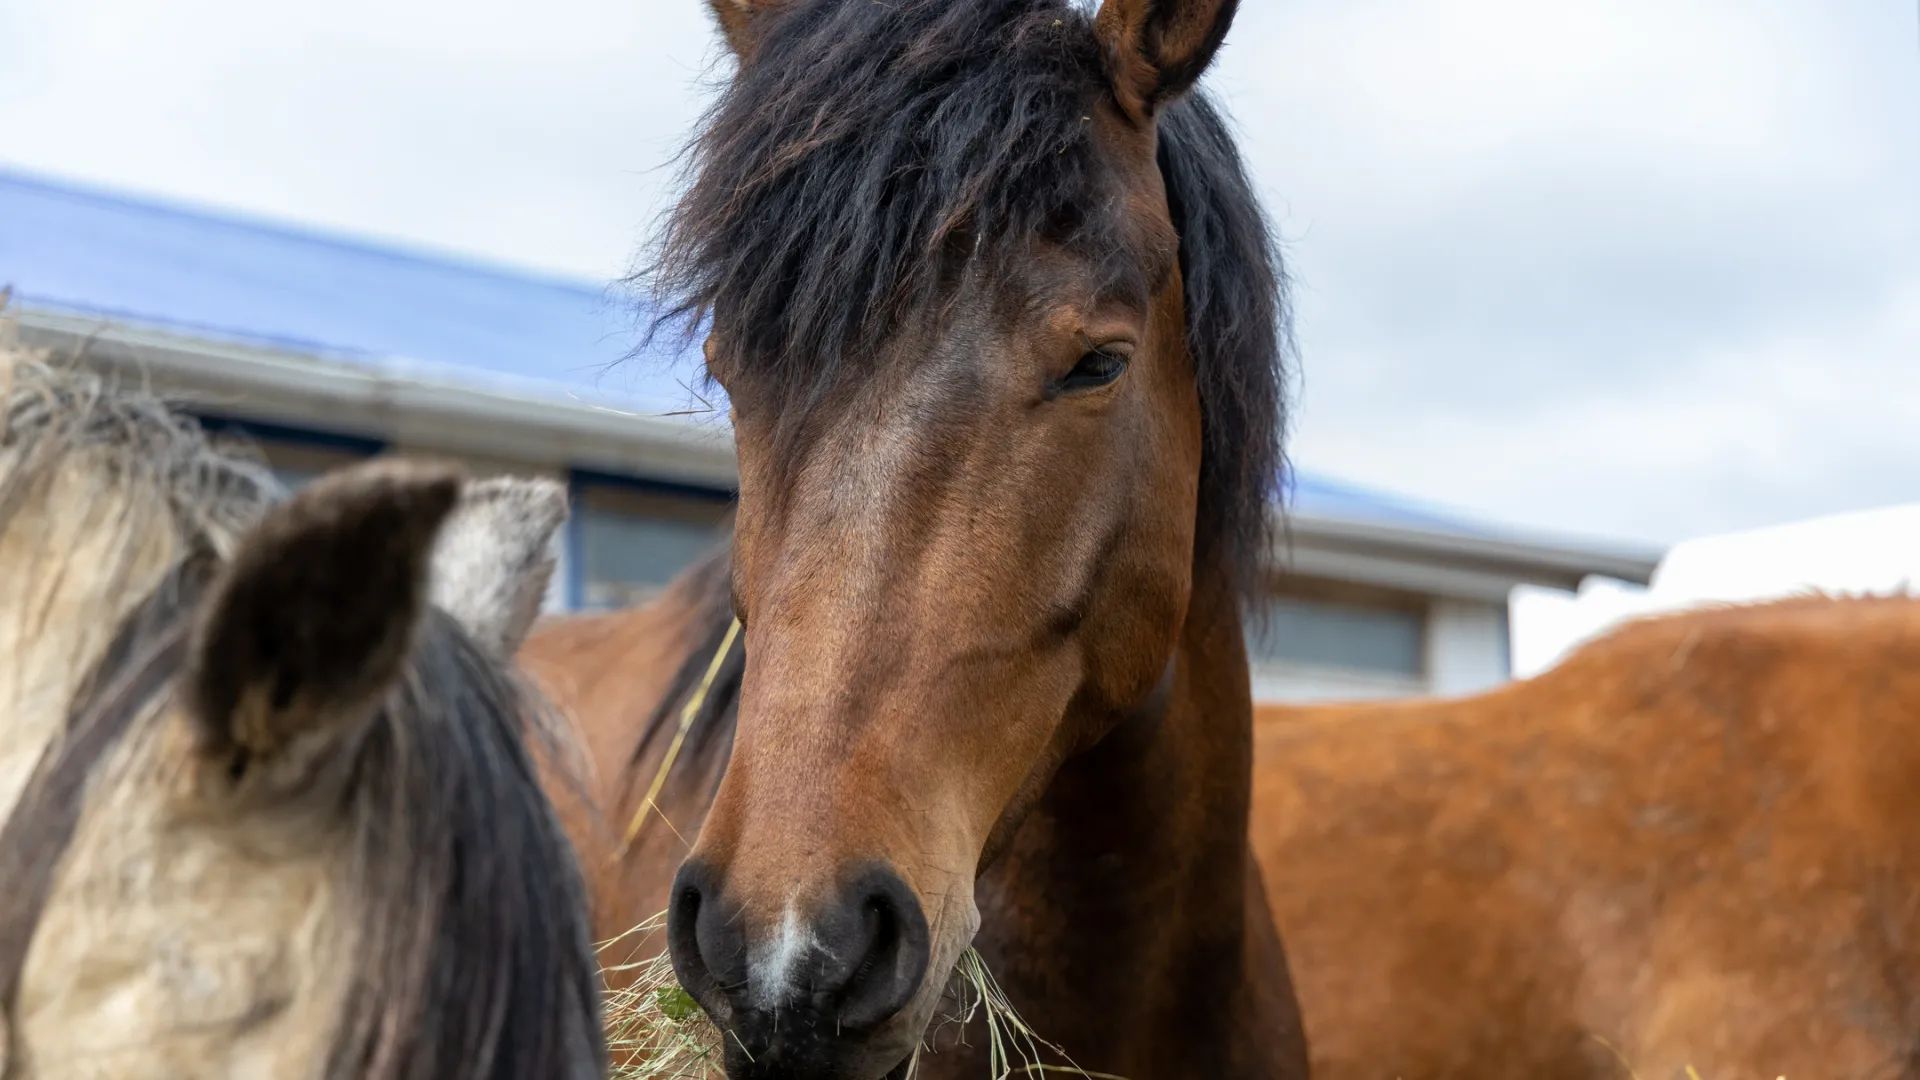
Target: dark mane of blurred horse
<point>1002,328</point>
<point>166,576</point>
<point>1688,850</point>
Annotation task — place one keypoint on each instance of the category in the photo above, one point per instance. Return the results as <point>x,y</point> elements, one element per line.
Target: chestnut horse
<point>1690,845</point>
<point>267,805</point>
<point>1000,323</point>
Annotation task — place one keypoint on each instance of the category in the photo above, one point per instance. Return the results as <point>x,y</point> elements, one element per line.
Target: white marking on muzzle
<point>771,968</point>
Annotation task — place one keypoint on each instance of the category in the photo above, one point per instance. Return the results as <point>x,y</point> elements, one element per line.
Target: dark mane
<point>703,757</point>
<point>1239,329</point>
<point>872,153</point>
<point>479,959</point>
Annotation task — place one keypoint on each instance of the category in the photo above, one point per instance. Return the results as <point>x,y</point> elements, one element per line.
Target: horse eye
<point>1096,369</point>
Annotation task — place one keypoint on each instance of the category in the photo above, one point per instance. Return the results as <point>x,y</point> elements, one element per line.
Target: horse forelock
<point>871,155</point>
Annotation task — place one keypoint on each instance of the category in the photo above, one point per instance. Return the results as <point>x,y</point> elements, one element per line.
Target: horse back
<point>1691,844</point>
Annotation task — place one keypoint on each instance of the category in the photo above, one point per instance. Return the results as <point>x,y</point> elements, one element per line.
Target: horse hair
<point>475,957</point>
<point>872,153</point>
<point>710,738</point>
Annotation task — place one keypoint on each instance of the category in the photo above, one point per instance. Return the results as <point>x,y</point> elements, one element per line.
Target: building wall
<point>1468,648</point>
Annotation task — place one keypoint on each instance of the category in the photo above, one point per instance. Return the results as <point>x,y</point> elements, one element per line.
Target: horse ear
<point>309,625</point>
<point>741,22</point>
<point>1156,49</point>
<point>495,557</point>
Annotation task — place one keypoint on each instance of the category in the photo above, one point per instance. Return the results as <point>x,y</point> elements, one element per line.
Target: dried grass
<point>657,1032</point>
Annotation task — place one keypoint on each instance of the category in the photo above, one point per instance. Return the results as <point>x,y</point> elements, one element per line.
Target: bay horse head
<point>1001,325</point>
<point>267,806</point>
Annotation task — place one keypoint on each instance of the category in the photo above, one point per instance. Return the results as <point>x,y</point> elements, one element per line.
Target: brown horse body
<point>1692,844</point>
<point>612,676</point>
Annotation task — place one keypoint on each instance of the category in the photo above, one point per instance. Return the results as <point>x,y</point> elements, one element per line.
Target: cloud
<point>1643,269</point>
<point>531,135</point>
<point>1647,268</point>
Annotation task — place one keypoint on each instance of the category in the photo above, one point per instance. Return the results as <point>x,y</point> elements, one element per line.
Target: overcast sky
<point>1638,268</point>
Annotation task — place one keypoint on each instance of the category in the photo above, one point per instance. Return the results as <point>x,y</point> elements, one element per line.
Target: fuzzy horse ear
<point>741,22</point>
<point>1156,49</point>
<point>309,625</point>
<point>495,557</point>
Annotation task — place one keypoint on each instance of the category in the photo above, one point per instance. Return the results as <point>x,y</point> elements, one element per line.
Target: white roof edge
<point>1553,563</point>
<point>284,384</point>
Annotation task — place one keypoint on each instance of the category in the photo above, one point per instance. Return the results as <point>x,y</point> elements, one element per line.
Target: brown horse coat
<point>620,677</point>
<point>608,674</point>
<point>1691,844</point>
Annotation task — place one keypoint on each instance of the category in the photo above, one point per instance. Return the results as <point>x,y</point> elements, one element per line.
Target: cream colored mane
<point>312,845</point>
<point>99,493</point>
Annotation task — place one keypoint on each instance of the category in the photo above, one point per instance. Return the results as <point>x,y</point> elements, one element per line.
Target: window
<point>632,540</point>
<point>1378,638</point>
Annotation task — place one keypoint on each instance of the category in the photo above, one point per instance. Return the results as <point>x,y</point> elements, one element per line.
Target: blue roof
<point>215,274</point>
<point>1309,493</point>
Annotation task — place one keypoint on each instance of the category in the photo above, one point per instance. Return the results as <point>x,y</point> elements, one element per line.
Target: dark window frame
<point>286,441</point>
<point>705,505</point>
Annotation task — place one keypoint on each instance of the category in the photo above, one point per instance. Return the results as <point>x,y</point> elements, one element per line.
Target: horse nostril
<point>703,946</point>
<point>813,981</point>
<point>889,954</point>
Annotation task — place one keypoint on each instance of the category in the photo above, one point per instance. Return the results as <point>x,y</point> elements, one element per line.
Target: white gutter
<point>298,388</point>
<point>1447,563</point>
<point>539,427</point>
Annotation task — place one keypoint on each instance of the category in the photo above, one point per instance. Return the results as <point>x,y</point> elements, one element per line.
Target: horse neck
<point>1126,921</point>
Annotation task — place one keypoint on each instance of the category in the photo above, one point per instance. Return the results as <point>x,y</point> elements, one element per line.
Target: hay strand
<point>656,1031</point>
<point>687,714</point>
